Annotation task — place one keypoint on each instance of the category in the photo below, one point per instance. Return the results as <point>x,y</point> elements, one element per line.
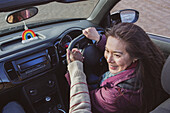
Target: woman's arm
<point>79,94</point>
<point>91,33</point>
<point>101,44</point>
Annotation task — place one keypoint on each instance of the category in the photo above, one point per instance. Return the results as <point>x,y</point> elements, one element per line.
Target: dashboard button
<point>51,83</point>
<point>32,91</point>
<point>47,98</point>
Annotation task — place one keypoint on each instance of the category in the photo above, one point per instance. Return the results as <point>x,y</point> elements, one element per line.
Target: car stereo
<point>30,65</point>
<point>33,64</point>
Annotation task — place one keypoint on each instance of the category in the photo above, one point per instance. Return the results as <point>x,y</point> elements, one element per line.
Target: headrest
<point>165,77</point>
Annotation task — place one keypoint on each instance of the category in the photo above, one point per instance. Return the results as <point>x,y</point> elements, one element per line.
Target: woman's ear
<point>134,60</point>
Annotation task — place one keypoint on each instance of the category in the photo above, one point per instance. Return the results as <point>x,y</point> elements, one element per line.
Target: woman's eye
<point>117,55</point>
<point>106,51</point>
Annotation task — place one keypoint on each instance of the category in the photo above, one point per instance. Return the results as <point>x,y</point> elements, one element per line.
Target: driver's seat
<point>165,80</point>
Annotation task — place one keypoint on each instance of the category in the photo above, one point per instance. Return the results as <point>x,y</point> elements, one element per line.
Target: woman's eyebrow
<point>118,52</point>
<point>115,51</point>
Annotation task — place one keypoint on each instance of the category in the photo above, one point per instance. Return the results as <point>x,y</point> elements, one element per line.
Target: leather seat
<point>165,80</point>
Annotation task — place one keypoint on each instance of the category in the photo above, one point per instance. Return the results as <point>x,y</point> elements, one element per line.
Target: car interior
<point>32,70</point>
<point>165,79</point>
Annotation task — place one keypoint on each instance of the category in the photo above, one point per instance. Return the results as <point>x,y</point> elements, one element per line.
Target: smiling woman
<point>116,55</point>
<point>134,64</point>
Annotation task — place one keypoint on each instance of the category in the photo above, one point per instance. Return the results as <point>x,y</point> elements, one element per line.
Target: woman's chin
<point>113,71</point>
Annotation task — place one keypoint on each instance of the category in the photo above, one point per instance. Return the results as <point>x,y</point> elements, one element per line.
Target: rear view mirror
<point>21,15</point>
<point>126,15</point>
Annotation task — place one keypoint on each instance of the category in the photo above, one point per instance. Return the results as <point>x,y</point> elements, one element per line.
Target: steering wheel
<point>93,61</point>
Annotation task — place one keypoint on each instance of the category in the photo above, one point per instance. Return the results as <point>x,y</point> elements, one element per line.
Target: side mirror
<point>129,15</point>
<point>21,15</point>
<point>126,15</point>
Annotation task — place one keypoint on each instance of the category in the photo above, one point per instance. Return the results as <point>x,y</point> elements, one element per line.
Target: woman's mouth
<point>113,67</point>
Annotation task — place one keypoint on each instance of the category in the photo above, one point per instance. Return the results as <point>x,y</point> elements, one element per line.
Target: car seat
<point>165,80</point>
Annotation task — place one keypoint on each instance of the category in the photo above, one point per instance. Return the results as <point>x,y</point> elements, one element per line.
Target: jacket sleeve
<point>101,44</point>
<point>79,94</point>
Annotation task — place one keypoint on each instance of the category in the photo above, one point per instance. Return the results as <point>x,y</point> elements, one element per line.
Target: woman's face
<point>117,57</point>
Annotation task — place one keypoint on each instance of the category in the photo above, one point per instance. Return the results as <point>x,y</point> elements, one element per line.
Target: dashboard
<point>35,70</point>
<point>20,62</point>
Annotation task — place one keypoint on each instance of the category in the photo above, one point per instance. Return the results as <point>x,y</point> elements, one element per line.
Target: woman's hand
<point>91,33</point>
<point>73,55</point>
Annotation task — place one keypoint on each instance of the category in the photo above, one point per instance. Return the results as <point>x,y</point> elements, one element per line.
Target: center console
<point>43,94</point>
<point>36,72</point>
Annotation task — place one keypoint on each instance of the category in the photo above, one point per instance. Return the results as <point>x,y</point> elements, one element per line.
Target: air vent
<point>53,56</point>
<point>10,44</point>
<point>10,71</point>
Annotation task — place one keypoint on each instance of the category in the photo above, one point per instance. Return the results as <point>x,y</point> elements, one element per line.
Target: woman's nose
<point>110,59</point>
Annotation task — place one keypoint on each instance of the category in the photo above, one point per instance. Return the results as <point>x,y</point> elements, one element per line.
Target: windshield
<point>54,11</point>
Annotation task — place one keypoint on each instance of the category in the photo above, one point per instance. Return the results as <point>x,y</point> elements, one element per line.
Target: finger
<point>76,50</point>
<point>73,52</point>
<point>85,32</point>
<point>68,56</point>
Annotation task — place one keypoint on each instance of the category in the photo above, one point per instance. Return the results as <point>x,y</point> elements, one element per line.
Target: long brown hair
<point>150,62</point>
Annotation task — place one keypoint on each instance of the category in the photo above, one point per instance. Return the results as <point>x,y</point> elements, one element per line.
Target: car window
<point>55,11</point>
<point>154,15</point>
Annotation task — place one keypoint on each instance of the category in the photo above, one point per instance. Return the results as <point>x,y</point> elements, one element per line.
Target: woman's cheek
<point>119,61</point>
<point>105,55</point>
